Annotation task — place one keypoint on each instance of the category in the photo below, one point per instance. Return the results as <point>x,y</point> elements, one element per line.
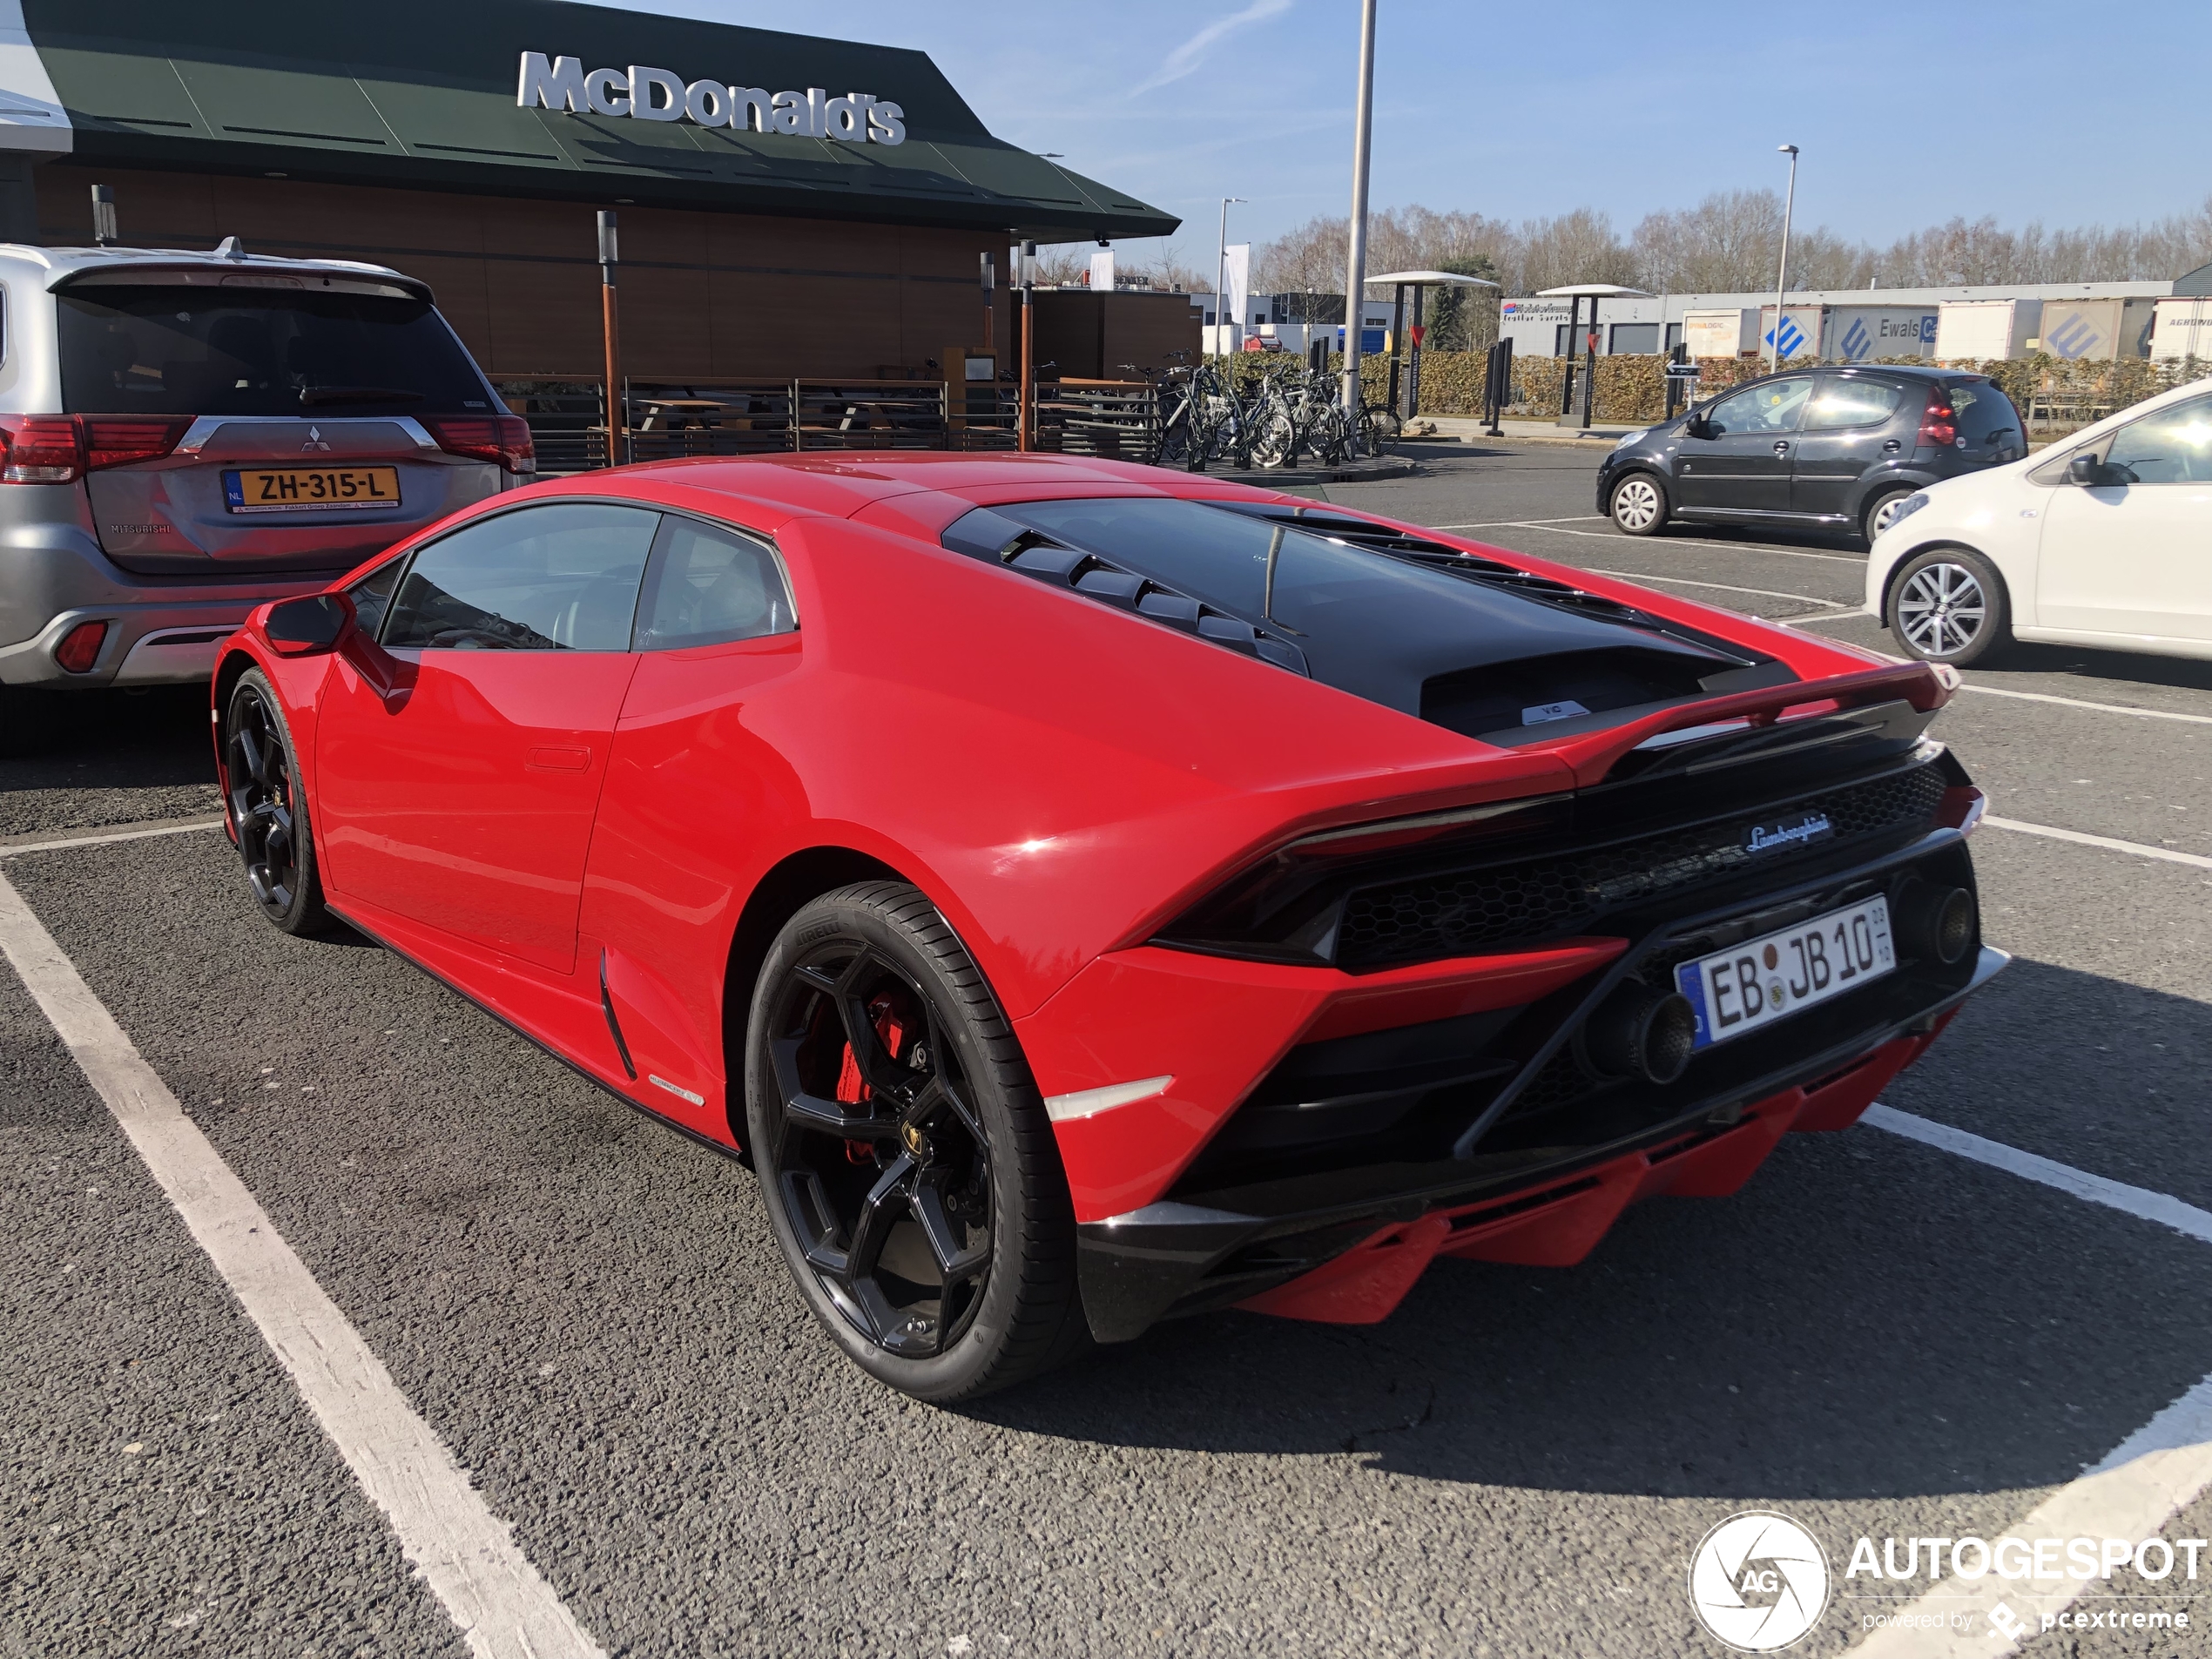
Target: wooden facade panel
<point>705,294</point>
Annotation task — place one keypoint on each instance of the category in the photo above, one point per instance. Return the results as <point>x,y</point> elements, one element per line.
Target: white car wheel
<point>1949,608</point>
<point>1637,506</point>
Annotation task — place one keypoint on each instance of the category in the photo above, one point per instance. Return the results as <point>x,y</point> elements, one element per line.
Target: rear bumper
<point>164,630</point>
<point>1317,1136</point>
<point>1353,1262</point>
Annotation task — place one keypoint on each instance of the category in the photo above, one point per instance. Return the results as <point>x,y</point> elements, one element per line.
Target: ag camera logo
<point>1758,1581</point>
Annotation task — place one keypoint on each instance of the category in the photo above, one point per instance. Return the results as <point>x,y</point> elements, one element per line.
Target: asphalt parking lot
<point>1883,1335</point>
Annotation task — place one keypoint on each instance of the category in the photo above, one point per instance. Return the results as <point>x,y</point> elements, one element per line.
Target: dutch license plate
<point>310,490</point>
<point>1769,978</point>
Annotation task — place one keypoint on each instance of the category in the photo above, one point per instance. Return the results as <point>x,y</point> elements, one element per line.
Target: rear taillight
<point>60,449</point>
<point>1961,808</point>
<point>41,449</point>
<point>117,440</point>
<point>1938,421</point>
<point>80,647</point>
<point>502,439</point>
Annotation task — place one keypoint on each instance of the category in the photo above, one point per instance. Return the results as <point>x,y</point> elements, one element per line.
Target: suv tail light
<point>60,449</point>
<point>503,440</point>
<point>80,647</point>
<point>1939,422</point>
<point>41,449</point>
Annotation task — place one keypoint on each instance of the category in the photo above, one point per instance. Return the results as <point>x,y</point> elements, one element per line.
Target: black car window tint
<point>1771,406</point>
<point>562,577</point>
<point>708,585</point>
<point>1843,402</point>
<point>1983,412</point>
<point>171,350</point>
<point>371,596</point>
<point>2171,447</point>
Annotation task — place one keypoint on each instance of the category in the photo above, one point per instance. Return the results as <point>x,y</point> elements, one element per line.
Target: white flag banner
<point>1102,271</point>
<point>1238,278</point>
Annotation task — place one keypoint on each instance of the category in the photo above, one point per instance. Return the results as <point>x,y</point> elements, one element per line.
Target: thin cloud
<point>1185,58</point>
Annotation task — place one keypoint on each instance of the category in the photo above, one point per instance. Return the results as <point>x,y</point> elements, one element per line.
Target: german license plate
<point>310,490</point>
<point>1767,979</point>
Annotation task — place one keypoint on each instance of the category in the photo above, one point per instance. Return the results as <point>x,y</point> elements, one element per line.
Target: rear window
<point>175,350</point>
<point>1984,411</point>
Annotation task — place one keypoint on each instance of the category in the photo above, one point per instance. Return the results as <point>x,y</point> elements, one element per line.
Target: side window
<point>1848,401</point>
<point>1771,406</point>
<point>2172,447</point>
<point>371,596</point>
<point>708,585</point>
<point>562,577</point>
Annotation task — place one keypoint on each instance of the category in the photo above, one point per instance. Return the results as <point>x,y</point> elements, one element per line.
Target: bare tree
<point>1728,243</point>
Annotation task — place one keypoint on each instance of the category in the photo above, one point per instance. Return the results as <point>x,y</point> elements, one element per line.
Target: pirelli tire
<point>910,1173</point>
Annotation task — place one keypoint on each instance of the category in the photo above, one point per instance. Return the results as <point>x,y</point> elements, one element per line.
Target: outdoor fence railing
<point>666,421</point>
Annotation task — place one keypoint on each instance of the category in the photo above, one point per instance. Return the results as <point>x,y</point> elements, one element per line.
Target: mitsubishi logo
<point>314,442</point>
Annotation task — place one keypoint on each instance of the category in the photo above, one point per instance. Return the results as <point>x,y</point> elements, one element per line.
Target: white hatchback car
<point>2106,539</point>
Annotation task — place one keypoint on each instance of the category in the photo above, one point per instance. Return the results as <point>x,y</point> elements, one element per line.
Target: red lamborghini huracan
<point>1090,894</point>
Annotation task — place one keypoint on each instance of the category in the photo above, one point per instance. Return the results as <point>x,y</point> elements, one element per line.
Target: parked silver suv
<point>184,435</point>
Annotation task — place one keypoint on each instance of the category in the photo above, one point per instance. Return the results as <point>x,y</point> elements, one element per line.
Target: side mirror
<point>1694,427</point>
<point>2087,471</point>
<point>312,623</point>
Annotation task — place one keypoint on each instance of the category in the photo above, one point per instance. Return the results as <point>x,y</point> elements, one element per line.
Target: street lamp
<point>1781,271</point>
<point>1355,263</point>
<point>1221,272</point>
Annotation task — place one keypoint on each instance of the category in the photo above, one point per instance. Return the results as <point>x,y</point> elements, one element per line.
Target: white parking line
<point>467,1556</point>
<point>2149,1477</point>
<point>2140,849</point>
<point>1559,527</point>
<point>2139,1202</point>
<point>1979,690</point>
<point>2079,703</point>
<point>94,838</point>
<point>1719,587</point>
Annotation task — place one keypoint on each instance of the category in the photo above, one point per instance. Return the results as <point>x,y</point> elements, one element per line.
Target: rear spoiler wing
<point>273,274</point>
<point>1758,713</point>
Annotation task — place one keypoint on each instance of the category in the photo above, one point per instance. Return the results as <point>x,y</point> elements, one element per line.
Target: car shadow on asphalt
<point>85,759</point>
<point>2130,668</point>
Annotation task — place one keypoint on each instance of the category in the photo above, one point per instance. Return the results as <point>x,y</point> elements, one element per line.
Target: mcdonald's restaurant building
<point>787,205</point>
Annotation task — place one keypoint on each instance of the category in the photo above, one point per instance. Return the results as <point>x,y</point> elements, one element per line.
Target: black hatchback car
<point>1814,449</point>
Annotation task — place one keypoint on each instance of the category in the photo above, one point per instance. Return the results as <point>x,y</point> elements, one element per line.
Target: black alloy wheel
<point>268,809</point>
<point>908,1167</point>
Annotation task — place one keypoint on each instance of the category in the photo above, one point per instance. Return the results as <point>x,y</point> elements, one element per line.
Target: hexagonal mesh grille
<point>1545,898</point>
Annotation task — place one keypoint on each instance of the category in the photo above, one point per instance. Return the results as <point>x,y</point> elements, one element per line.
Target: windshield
<point>175,350</point>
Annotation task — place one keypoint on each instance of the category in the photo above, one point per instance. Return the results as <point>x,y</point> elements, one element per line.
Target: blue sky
<point>1906,114</point>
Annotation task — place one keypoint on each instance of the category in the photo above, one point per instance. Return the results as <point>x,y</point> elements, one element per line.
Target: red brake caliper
<point>851,1088</point>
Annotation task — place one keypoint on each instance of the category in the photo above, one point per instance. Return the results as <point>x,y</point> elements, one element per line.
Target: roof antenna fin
<point>230,248</point>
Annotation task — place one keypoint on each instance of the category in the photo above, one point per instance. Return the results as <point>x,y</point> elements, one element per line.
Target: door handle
<point>1892,446</point>
<point>557,758</point>
<point>1782,446</point>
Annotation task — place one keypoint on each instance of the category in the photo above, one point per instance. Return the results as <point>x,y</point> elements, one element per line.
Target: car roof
<point>49,267</point>
<point>841,485</point>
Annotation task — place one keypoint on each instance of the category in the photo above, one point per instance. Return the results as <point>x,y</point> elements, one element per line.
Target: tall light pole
<point>1781,271</point>
<point>1355,264</point>
<point>1221,274</point>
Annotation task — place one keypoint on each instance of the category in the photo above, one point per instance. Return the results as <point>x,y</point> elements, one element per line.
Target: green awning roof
<point>412,92</point>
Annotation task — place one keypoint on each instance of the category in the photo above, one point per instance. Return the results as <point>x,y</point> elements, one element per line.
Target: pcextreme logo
<point>1758,1581</point>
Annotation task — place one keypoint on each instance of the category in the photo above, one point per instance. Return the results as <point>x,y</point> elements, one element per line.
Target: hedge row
<point>1635,388</point>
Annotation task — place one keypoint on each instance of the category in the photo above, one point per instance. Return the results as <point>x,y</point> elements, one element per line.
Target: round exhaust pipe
<point>1638,1032</point>
<point>1936,922</point>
